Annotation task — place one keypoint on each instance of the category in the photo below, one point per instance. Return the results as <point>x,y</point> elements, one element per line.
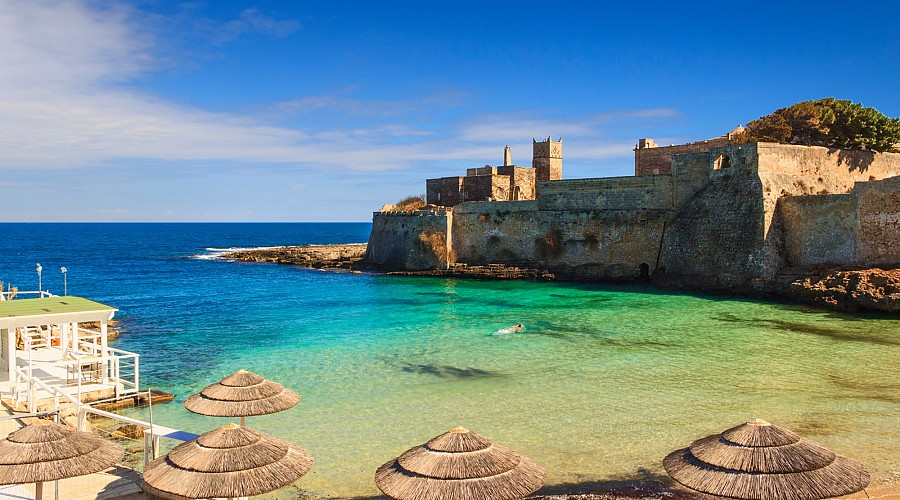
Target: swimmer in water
<point>517,328</point>
<point>512,329</point>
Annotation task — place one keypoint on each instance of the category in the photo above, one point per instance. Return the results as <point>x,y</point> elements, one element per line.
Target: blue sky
<point>322,111</point>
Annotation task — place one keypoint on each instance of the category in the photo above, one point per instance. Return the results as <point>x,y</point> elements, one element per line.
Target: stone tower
<point>507,157</point>
<point>547,159</point>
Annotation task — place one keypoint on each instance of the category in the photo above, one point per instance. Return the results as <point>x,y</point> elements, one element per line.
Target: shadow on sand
<point>641,485</point>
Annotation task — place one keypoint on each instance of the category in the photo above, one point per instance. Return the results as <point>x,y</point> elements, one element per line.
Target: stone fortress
<point>507,183</point>
<point>714,214</point>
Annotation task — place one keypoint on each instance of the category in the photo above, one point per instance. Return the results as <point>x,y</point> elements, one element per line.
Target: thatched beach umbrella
<point>458,465</point>
<point>763,461</point>
<point>242,394</point>
<point>229,462</point>
<point>47,451</point>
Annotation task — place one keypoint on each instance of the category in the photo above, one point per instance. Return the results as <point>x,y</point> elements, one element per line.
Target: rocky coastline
<point>875,290</point>
<point>341,256</point>
<point>865,290</point>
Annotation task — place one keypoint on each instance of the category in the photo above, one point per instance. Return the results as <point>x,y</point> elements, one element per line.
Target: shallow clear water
<point>601,384</point>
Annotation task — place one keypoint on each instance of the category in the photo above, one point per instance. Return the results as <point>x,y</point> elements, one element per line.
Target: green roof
<point>21,308</point>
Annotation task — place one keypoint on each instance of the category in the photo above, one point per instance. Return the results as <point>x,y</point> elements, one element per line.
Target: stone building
<point>651,159</point>
<point>504,183</point>
<point>718,214</point>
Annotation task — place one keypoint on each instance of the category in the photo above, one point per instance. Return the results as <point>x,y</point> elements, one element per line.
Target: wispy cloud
<point>254,21</point>
<point>66,102</point>
<point>512,127</point>
<point>340,103</point>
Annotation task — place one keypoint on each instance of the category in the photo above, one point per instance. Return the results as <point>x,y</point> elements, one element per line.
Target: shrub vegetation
<point>828,122</point>
<point>410,203</point>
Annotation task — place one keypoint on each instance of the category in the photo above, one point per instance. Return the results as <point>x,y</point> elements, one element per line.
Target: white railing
<point>124,370</point>
<point>18,293</point>
<point>152,432</point>
<point>119,368</point>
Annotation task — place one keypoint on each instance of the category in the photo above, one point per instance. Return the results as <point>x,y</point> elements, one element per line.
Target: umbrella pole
<point>242,421</point>
<point>38,491</point>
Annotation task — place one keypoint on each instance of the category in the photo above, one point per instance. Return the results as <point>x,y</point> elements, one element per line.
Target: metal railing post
<point>116,378</point>
<point>146,450</point>
<point>31,396</point>
<point>82,418</point>
<point>137,372</point>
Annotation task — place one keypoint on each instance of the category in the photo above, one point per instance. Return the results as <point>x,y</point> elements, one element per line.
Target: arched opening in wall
<point>645,272</point>
<point>517,192</point>
<point>722,161</point>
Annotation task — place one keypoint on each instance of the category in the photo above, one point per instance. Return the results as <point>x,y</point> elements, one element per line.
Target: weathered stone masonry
<point>730,216</point>
<point>505,183</point>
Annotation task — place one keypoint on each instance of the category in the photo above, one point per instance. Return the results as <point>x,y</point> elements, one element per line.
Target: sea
<point>600,384</point>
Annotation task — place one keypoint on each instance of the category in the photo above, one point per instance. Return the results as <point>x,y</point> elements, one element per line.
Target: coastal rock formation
<point>409,241</point>
<point>860,290</point>
<point>316,256</point>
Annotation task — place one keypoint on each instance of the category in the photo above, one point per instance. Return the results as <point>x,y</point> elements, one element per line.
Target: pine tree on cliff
<point>829,122</point>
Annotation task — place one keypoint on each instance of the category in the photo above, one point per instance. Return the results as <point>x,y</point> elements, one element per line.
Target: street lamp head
<point>63,269</point>
<point>39,268</point>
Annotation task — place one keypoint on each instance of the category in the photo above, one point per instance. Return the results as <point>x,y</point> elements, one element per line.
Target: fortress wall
<point>788,170</point>
<point>859,228</point>
<point>798,170</point>
<point>658,160</point>
<point>478,207</point>
<point>691,174</point>
<point>715,222</point>
<point>878,214</point>
<point>406,241</point>
<point>653,192</point>
<point>717,239</point>
<point>586,244</point>
<point>819,229</point>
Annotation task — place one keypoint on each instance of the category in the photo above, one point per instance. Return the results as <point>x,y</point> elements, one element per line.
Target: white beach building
<point>52,347</point>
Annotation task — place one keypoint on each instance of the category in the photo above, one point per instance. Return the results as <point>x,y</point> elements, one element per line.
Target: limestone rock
<point>855,290</point>
<point>315,256</point>
<point>129,431</point>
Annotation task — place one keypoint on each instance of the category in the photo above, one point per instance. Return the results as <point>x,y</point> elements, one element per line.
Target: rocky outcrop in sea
<point>851,290</point>
<point>344,256</point>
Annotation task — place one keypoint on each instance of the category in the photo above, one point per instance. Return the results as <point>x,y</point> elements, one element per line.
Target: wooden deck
<point>47,365</point>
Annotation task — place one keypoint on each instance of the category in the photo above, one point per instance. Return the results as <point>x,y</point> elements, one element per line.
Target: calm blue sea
<point>601,384</point>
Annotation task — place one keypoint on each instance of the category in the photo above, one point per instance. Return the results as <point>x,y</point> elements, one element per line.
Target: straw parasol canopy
<point>47,451</point>
<point>458,465</point>
<point>242,394</point>
<point>232,461</point>
<point>763,461</point>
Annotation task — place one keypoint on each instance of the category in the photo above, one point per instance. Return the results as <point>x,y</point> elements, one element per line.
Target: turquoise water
<point>601,384</point>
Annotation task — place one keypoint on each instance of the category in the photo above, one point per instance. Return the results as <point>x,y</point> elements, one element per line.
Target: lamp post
<point>65,285</point>
<point>40,286</point>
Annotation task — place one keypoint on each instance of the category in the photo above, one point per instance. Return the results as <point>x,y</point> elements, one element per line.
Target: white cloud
<point>252,20</point>
<point>65,102</point>
<point>512,127</point>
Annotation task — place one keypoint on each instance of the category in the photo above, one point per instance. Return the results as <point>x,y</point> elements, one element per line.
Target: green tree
<point>828,122</point>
